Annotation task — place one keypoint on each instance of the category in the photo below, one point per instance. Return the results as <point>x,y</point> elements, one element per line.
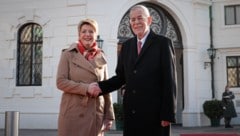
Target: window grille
<point>29,55</point>
<point>233,71</point>
<point>162,24</point>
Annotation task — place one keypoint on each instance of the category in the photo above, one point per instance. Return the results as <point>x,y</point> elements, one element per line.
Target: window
<point>232,15</point>
<point>29,55</point>
<point>233,71</point>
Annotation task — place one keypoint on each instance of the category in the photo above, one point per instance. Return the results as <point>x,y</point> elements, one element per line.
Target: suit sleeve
<point>170,83</point>
<point>116,81</point>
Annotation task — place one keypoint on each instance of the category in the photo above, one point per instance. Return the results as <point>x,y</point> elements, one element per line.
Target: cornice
<point>202,2</point>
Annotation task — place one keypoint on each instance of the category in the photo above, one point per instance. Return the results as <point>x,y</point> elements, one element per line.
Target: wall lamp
<point>212,54</point>
<point>206,64</point>
<point>99,42</point>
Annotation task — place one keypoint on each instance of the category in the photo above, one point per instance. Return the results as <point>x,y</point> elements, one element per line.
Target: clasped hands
<point>93,90</point>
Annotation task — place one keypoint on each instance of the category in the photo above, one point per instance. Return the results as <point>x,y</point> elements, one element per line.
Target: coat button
<point>134,71</point>
<point>133,111</point>
<point>134,91</point>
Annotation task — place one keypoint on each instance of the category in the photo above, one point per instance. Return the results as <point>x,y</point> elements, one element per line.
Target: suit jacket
<point>79,114</point>
<point>150,84</point>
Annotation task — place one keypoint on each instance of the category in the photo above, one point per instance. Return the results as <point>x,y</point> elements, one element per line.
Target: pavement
<point>176,131</point>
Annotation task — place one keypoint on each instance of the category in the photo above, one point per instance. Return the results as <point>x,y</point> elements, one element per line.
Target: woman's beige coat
<point>79,114</point>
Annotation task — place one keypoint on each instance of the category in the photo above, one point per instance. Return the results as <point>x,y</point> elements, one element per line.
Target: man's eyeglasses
<point>139,19</point>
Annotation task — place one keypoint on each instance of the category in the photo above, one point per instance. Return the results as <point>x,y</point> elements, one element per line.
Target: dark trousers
<point>166,131</point>
<point>227,121</point>
<point>161,131</point>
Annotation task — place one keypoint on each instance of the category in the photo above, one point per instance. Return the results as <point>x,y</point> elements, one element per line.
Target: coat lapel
<point>81,62</point>
<point>146,45</point>
<point>94,66</point>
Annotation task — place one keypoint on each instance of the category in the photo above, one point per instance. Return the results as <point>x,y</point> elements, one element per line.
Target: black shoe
<point>228,126</point>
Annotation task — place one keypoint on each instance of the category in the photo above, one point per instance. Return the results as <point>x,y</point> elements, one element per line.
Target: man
<point>149,77</point>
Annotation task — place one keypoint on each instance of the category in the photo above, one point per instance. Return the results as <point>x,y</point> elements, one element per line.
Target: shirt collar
<point>144,38</point>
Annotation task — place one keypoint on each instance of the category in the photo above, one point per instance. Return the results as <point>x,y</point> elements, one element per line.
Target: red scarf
<point>89,54</point>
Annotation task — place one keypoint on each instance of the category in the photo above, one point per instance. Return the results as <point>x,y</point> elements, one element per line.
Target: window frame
<point>237,70</point>
<point>36,45</point>
<point>235,14</point>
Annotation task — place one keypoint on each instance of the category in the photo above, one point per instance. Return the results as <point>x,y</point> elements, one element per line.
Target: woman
<point>228,106</point>
<point>82,63</point>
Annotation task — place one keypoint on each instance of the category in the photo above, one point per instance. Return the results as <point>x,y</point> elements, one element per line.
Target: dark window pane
<point>238,77</point>
<point>231,62</point>
<point>238,61</point>
<point>230,15</point>
<point>238,14</point>
<point>37,74</point>
<point>232,77</point>
<point>37,53</point>
<point>24,77</point>
<point>26,34</point>
<point>37,63</point>
<point>37,33</point>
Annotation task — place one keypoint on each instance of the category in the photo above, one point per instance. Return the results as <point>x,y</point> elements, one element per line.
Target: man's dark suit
<point>150,80</point>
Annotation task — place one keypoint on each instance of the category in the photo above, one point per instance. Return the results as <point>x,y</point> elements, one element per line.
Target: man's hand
<point>165,123</point>
<point>93,90</point>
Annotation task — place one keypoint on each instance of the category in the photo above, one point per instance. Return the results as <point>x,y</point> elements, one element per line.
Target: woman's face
<point>87,35</point>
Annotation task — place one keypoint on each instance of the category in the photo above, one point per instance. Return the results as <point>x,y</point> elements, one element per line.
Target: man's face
<point>139,22</point>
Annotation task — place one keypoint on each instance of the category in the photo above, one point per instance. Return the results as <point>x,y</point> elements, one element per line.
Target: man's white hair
<point>145,9</point>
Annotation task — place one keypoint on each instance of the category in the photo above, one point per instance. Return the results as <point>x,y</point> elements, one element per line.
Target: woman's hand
<point>107,124</point>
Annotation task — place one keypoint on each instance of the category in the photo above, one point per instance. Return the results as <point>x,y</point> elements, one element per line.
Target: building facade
<point>33,33</point>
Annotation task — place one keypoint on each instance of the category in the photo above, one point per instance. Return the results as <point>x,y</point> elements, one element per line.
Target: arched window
<point>29,55</point>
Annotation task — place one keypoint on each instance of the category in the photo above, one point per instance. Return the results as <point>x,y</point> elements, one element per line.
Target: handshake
<point>93,90</point>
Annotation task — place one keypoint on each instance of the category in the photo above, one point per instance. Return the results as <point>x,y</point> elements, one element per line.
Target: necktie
<point>139,46</point>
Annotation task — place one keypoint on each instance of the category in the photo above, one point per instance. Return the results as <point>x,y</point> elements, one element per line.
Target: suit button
<point>134,71</point>
<point>134,91</point>
<point>133,111</point>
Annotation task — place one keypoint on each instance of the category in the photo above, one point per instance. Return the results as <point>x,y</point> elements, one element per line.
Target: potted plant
<point>214,111</point>
<point>118,111</point>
